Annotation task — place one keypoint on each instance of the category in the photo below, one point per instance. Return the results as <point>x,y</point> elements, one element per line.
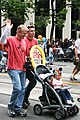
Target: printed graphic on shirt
<point>37,56</point>
<point>21,51</point>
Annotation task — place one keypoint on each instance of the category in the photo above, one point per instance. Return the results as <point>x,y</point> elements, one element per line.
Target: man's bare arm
<point>6,31</point>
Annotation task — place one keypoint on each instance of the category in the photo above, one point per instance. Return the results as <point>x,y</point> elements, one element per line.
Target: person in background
<point>16,48</point>
<point>30,41</point>
<point>47,46</point>
<point>54,52</point>
<point>76,69</point>
<point>60,52</point>
<point>43,46</point>
<point>51,55</point>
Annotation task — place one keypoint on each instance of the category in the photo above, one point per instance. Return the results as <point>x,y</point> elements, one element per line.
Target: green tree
<point>59,14</point>
<point>43,15</point>
<point>16,9</point>
<point>76,7</point>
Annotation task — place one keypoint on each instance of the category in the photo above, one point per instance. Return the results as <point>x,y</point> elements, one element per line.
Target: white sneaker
<point>69,102</point>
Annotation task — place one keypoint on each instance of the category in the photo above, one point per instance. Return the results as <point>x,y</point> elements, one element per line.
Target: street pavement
<point>6,88</point>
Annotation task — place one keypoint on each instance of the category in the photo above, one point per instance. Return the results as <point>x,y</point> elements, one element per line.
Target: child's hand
<point>64,85</point>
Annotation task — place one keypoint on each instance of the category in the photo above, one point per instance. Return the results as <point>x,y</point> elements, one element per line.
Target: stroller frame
<point>60,110</point>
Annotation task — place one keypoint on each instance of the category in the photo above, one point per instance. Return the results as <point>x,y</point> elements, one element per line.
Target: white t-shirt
<point>57,83</point>
<point>77,44</point>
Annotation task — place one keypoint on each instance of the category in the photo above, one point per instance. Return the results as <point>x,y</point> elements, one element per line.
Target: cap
<point>56,73</point>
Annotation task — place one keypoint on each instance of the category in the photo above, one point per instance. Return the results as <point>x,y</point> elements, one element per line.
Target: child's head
<point>56,75</point>
<point>59,71</point>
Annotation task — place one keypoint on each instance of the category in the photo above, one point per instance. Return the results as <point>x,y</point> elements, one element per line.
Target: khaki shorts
<point>77,64</point>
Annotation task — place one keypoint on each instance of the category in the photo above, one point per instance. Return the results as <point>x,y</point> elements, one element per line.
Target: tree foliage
<point>76,5</point>
<point>42,15</point>
<point>16,8</point>
<point>20,8</point>
<point>59,13</point>
<point>61,17</point>
<point>42,21</point>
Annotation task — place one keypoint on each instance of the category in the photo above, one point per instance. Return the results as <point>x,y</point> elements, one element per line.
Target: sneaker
<point>78,99</point>
<point>11,113</point>
<point>75,79</point>
<point>25,106</point>
<point>69,102</point>
<point>28,102</point>
<point>72,79</point>
<point>21,113</point>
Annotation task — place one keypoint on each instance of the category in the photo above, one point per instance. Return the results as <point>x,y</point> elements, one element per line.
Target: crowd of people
<point>18,49</point>
<point>58,50</point>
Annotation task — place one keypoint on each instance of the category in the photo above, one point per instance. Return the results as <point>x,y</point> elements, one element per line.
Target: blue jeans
<point>19,82</point>
<point>65,94</point>
<point>51,59</point>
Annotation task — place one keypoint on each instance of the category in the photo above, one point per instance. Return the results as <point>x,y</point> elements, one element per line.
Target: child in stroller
<point>50,99</point>
<point>61,88</point>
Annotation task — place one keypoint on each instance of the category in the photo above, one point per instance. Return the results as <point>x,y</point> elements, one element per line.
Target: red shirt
<point>30,43</point>
<point>16,53</point>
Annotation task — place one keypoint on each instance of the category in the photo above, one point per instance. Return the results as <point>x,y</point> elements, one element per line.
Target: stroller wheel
<point>78,99</point>
<point>64,112</point>
<point>76,109</point>
<point>37,109</point>
<point>58,114</point>
<point>70,111</point>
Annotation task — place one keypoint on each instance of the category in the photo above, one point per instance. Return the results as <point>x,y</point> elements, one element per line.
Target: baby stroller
<point>51,101</point>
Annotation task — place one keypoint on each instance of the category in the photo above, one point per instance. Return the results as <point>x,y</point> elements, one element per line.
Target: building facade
<point>68,31</point>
